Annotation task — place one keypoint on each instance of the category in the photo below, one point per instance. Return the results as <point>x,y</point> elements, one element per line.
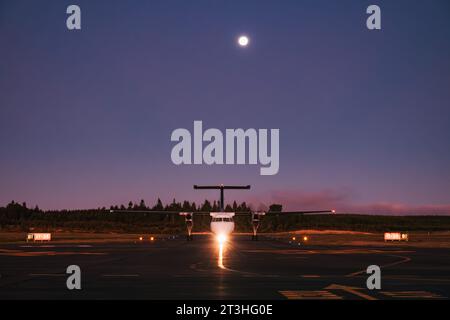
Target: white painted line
<point>403,260</point>
<point>47,274</point>
<point>352,290</point>
<point>412,294</point>
<point>120,275</point>
<point>46,246</point>
<point>310,295</point>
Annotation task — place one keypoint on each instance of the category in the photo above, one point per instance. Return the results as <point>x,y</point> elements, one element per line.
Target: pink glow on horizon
<point>342,202</point>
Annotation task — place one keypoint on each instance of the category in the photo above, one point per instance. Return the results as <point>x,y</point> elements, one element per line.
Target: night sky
<point>364,116</point>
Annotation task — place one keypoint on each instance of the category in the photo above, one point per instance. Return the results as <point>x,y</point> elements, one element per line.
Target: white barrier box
<point>39,236</point>
<point>395,236</point>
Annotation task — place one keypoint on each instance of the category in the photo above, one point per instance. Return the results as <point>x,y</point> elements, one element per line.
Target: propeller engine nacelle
<point>256,217</point>
<point>189,220</point>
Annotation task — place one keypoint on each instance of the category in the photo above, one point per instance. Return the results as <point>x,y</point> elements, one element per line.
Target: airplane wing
<point>281,213</point>
<point>162,212</point>
<point>207,213</point>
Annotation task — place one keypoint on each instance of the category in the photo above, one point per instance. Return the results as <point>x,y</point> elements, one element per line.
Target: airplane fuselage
<point>222,223</point>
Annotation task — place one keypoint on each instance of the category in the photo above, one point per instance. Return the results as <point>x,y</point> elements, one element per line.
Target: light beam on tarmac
<point>220,257</point>
<point>221,240</point>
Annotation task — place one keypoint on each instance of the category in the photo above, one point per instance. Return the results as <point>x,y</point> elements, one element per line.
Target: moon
<point>243,41</point>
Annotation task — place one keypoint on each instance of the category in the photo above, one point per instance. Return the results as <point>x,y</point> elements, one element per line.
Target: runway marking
<point>324,251</point>
<point>121,275</point>
<point>403,260</point>
<point>195,267</point>
<point>47,274</point>
<point>412,295</point>
<point>412,278</point>
<point>8,251</point>
<point>37,246</point>
<point>16,253</point>
<point>245,274</point>
<point>352,290</point>
<point>310,295</point>
<point>257,275</point>
<point>53,246</point>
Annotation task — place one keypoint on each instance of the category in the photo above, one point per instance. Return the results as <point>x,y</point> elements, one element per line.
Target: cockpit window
<point>222,219</point>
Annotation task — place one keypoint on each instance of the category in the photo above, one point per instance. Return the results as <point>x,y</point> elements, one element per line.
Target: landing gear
<point>188,218</point>
<point>255,225</point>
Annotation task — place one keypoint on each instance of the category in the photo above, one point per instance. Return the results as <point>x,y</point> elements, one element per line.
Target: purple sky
<point>364,116</point>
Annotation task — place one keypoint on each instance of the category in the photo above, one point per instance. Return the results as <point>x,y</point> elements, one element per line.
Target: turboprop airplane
<point>222,223</point>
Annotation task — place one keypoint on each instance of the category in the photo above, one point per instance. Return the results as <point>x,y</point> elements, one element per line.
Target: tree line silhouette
<point>18,217</point>
<point>185,206</point>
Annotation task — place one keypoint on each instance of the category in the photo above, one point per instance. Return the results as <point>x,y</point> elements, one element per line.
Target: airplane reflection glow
<point>221,239</point>
<point>220,258</point>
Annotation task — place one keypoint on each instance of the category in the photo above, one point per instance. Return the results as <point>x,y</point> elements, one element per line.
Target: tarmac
<point>172,268</point>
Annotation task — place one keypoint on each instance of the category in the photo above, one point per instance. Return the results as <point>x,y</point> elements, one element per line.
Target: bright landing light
<point>221,238</point>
